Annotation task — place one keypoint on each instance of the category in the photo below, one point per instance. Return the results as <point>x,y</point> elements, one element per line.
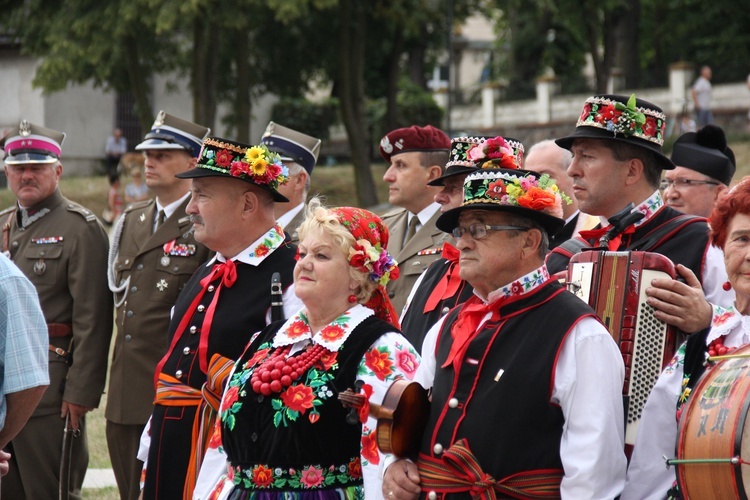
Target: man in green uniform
<point>62,248</point>
<point>151,259</point>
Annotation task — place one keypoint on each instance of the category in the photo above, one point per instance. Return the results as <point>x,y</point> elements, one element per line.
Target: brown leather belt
<point>57,330</point>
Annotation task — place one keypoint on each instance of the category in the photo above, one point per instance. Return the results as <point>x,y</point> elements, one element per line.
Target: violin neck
<point>352,400</point>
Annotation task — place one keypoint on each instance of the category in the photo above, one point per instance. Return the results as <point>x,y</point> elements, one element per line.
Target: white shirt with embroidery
<point>398,357</point>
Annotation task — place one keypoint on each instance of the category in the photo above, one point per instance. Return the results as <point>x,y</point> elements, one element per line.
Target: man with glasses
<point>62,248</point>
<point>526,382</point>
<point>440,288</point>
<point>616,170</point>
<point>704,169</point>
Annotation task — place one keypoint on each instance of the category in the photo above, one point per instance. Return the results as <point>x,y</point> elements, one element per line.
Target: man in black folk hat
<point>153,255</point>
<point>440,288</point>
<point>704,169</point>
<point>234,189</point>
<point>618,160</point>
<point>298,153</point>
<point>62,248</point>
<point>526,382</point>
<point>417,155</point>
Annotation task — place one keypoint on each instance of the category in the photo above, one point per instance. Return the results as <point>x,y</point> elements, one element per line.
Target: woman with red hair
<point>648,478</point>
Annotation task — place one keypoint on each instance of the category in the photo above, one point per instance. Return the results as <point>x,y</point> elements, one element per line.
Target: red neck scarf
<point>465,327</point>
<point>596,234</point>
<point>449,283</point>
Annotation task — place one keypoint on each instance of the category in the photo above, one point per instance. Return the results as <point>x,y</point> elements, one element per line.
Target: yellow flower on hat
<point>253,154</point>
<point>258,167</point>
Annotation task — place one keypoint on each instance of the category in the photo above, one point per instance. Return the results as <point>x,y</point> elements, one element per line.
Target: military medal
<point>168,246</point>
<point>39,267</point>
<point>162,284</point>
<point>164,260</point>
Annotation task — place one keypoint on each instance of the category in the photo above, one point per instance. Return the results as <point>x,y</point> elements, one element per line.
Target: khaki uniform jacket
<point>291,228</point>
<point>413,259</point>
<point>143,313</point>
<point>64,254</point>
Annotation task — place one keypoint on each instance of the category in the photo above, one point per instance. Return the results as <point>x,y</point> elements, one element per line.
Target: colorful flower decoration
<point>256,163</point>
<point>497,153</point>
<point>535,193</point>
<point>374,260</point>
<point>626,119</point>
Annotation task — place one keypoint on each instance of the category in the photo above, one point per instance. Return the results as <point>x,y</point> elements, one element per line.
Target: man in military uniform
<point>298,152</point>
<point>62,248</point>
<point>234,189</point>
<point>440,288</point>
<point>151,259</point>
<point>417,156</point>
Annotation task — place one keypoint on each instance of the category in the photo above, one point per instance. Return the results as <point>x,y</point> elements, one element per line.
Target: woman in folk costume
<point>648,478</point>
<point>283,432</point>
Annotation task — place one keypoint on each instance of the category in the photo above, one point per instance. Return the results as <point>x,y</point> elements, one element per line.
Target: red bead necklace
<point>717,347</point>
<point>279,371</point>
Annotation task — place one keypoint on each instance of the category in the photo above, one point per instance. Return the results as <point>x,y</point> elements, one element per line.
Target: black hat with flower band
<point>470,153</point>
<point>617,118</point>
<point>519,192</point>
<point>253,164</point>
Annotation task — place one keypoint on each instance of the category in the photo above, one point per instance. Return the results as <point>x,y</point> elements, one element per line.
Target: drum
<point>714,432</point>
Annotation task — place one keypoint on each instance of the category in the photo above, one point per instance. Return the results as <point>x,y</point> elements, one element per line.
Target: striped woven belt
<point>457,471</point>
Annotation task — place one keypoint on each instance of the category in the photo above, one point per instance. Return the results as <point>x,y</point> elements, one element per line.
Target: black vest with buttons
<point>500,399</point>
<point>416,323</point>
<point>240,312</point>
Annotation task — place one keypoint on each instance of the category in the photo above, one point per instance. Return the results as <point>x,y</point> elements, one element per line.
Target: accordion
<point>614,284</point>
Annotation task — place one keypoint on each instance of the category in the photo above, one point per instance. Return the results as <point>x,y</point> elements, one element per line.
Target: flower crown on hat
<point>506,189</point>
<point>619,118</point>
<point>497,153</point>
<point>255,163</point>
<point>373,260</point>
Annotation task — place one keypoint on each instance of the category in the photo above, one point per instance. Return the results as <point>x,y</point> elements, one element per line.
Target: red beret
<point>402,140</point>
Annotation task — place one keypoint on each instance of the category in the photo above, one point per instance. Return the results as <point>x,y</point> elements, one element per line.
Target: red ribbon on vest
<point>449,283</point>
<point>466,324</point>
<point>596,234</point>
<point>227,272</point>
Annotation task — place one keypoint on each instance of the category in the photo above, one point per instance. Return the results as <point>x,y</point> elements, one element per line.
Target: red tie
<point>227,271</point>
<point>596,234</point>
<point>449,283</point>
<point>466,324</point>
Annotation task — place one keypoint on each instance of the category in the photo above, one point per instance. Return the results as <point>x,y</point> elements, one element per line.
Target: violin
<point>401,417</point>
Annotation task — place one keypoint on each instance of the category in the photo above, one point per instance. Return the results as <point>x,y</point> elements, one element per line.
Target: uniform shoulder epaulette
<point>82,211</point>
<point>137,205</point>
<point>393,212</point>
<point>7,210</point>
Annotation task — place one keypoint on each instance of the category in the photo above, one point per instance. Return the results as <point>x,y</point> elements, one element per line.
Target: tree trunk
<point>138,83</point>
<point>205,67</point>
<point>626,45</point>
<point>351,56</point>
<point>394,71</point>
<point>242,102</point>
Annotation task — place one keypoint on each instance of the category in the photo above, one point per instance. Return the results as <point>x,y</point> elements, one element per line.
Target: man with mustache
<point>226,301</point>
<point>617,160</point>
<point>62,248</point>
<point>153,255</point>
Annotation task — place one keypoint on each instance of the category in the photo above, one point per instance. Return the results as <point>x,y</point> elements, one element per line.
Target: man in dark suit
<point>417,156</point>
<point>151,259</point>
<point>298,152</point>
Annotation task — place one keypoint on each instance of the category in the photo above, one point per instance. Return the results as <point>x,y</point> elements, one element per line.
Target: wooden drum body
<point>714,432</point>
<point>614,285</point>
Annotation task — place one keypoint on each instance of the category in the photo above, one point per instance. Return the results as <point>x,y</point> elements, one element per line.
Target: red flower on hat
<point>585,112</point>
<point>608,113</point>
<point>536,199</point>
<point>224,158</point>
<point>649,128</point>
<point>496,189</point>
<point>238,168</point>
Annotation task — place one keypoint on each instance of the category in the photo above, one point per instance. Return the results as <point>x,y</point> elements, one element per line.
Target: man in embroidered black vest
<point>62,248</point>
<point>440,288</point>
<point>618,160</point>
<point>526,382</point>
<point>153,255</point>
<point>234,188</point>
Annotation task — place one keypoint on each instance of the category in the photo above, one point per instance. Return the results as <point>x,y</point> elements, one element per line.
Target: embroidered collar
<point>522,285</point>
<point>332,336</point>
<point>258,250</point>
<point>648,208</point>
<point>728,321</point>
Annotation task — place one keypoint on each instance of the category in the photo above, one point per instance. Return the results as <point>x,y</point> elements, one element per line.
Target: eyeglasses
<point>479,231</point>
<point>680,183</point>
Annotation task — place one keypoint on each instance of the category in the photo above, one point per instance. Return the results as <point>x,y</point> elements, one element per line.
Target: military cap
<point>170,132</point>
<point>414,138</point>
<point>292,145</point>
<point>29,143</point>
